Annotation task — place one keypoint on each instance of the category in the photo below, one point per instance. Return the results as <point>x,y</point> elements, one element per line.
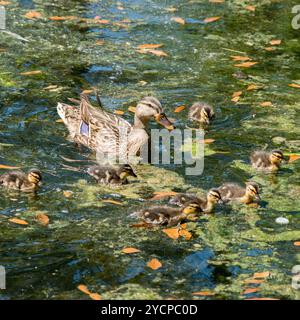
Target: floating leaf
<point>88,91</point>
<point>30,73</point>
<point>67,193</point>
<point>266,104</point>
<point>209,141</point>
<point>162,194</point>
<point>211,19</point>
<point>158,53</point>
<point>250,8</point>
<point>294,85</point>
<point>178,20</point>
<point>235,99</point>
<point>119,112</point>
<point>297,243</point>
<point>4,3</point>
<point>95,296</point>
<point>253,281</point>
<point>18,221</point>
<point>113,202</point>
<point>33,15</point>
<point>154,264</point>
<point>42,219</point>
<point>252,87</point>
<point>130,250</point>
<point>149,46</point>
<point>171,9</point>
<point>275,42</point>
<point>57,18</point>
<point>132,109</point>
<point>237,94</point>
<point>59,121</point>
<point>261,299</point>
<point>216,1</point>
<point>179,109</point>
<point>186,234</point>
<point>83,289</point>
<point>240,58</point>
<point>3,166</point>
<point>261,275</point>
<point>247,64</point>
<point>293,157</point>
<point>172,233</point>
<point>250,290</point>
<point>100,42</point>
<point>270,49</point>
<point>204,293</point>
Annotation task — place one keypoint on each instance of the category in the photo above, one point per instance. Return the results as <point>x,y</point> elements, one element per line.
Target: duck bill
<point>133,174</point>
<point>164,121</point>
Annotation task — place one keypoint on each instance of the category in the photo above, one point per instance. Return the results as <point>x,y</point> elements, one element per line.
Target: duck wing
<point>229,191</point>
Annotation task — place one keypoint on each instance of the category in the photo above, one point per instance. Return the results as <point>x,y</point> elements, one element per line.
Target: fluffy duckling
<point>165,215</point>
<point>18,180</point>
<point>234,192</point>
<point>269,161</point>
<point>110,174</point>
<point>201,112</point>
<point>207,205</point>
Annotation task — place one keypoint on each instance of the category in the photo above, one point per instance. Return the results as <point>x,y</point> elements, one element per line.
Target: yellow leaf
<point>235,99</point>
<point>42,219</point>
<point>113,202</point>
<point>67,193</point>
<point>186,234</point>
<point>154,264</point>
<point>100,42</point>
<point>266,104</point>
<point>130,250</point>
<point>29,73</point>
<point>297,243</point>
<point>83,289</point>
<point>162,194</point>
<point>18,221</point>
<point>252,87</point>
<point>56,18</point>
<point>4,3</point>
<point>88,91</point>
<point>119,112</point>
<point>250,8</point>
<point>246,64</point>
<point>270,49</point>
<point>240,58</point>
<point>178,20</point>
<point>204,293</point>
<point>216,1</point>
<point>179,109</point>
<point>261,275</point>
<point>149,46</point>
<point>59,121</point>
<point>237,94</point>
<point>275,42</point>
<point>261,299</point>
<point>95,296</point>
<point>132,109</point>
<point>171,9</point>
<point>172,233</point>
<point>294,85</point>
<point>250,290</point>
<point>293,157</point>
<point>33,15</point>
<point>3,166</point>
<point>211,19</point>
<point>209,141</point>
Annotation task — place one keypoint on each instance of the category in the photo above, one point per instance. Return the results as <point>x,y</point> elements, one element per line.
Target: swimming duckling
<point>269,161</point>
<point>110,174</point>
<point>207,205</point>
<point>165,215</point>
<point>18,180</point>
<point>234,192</point>
<point>201,112</point>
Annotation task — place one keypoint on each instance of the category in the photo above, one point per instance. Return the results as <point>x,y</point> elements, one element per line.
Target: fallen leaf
<point>100,42</point>
<point>235,99</point>
<point>178,20</point>
<point>247,64</point>
<point>83,289</point>
<point>270,49</point>
<point>141,225</point>
<point>240,58</point>
<point>29,73</point>
<point>42,219</point>
<point>261,299</point>
<point>132,109</point>
<point>253,205</point>
<point>171,9</point>
<point>266,104</point>
<point>88,91</point>
<point>252,87</point>
<point>59,121</point>
<point>253,281</point>
<point>183,226</point>
<point>51,87</point>
<point>204,293</point>
<point>57,18</point>
<point>275,42</point>
<point>95,296</point>
<point>250,8</point>
<point>186,234</point>
<point>113,202</point>
<point>216,1</point>
<point>33,15</point>
<point>119,112</point>
<point>237,94</point>
<point>18,221</point>
<point>211,19</point>
<point>4,3</point>
<point>297,243</point>
<point>3,166</point>
<point>294,85</point>
<point>162,194</point>
<point>149,46</point>
<point>179,109</point>
<point>172,233</point>
<point>142,83</point>
<point>250,290</point>
<point>293,157</point>
<point>130,250</point>
<point>158,53</point>
<point>261,275</point>
<point>67,193</point>
<point>154,264</point>
<point>209,141</point>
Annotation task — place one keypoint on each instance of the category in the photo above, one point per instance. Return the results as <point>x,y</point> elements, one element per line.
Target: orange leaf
<point>130,250</point>
<point>33,15</point>
<point>211,19</point>
<point>18,221</point>
<point>29,73</point>
<point>270,49</point>
<point>154,264</point>
<point>209,141</point>
<point>186,234</point>
<point>87,91</point>
<point>252,87</point>
<point>83,289</point>
<point>3,166</point>
<point>56,18</point>
<point>158,53</point>
<point>172,233</point>
<point>216,1</point>
<point>59,121</point>
<point>42,219</point>
<point>253,281</point>
<point>240,58</point>
<point>246,64</point>
<point>261,299</point>
<point>67,193</point>
<point>149,46</point>
<point>100,42</point>
<point>275,42</point>
<point>297,243</point>
<point>294,85</point>
<point>250,290</point>
<point>261,275</point>
<point>235,99</point>
<point>4,3</point>
<point>237,94</point>
<point>293,157</point>
<point>113,202</point>
<point>179,109</point>
<point>250,8</point>
<point>204,293</point>
<point>183,226</point>
<point>119,112</point>
<point>95,296</point>
<point>178,20</point>
<point>266,104</point>
<point>162,194</point>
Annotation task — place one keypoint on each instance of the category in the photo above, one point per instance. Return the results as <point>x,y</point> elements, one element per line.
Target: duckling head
<point>276,157</point>
<point>214,196</point>
<point>191,208</point>
<point>150,108</point>
<point>34,176</point>
<point>206,115</point>
<point>126,171</point>
<point>252,190</point>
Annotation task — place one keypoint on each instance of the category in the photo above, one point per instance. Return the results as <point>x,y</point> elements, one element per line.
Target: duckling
<point>234,192</point>
<point>269,161</point>
<point>207,205</point>
<point>201,112</point>
<point>165,215</point>
<point>110,174</point>
<point>18,180</point>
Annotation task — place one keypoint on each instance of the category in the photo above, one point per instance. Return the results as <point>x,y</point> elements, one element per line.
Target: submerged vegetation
<point>74,239</point>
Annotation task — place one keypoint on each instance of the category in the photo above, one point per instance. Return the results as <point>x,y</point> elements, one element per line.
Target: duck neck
<point>209,206</point>
<point>247,199</point>
<point>140,123</point>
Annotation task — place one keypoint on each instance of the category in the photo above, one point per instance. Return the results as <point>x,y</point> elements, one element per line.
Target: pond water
<point>84,240</point>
